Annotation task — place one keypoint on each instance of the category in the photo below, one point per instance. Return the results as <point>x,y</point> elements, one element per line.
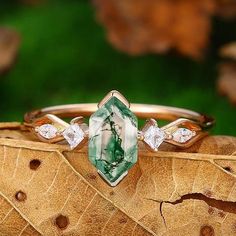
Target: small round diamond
<point>47,131</point>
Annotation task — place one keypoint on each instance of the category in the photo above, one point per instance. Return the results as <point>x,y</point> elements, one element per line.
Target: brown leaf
<point>226,8</point>
<point>9,45</point>
<point>229,50</point>
<point>145,26</point>
<point>227,81</point>
<point>165,193</point>
<point>54,200</point>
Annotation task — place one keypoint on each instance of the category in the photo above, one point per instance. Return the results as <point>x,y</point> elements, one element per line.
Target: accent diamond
<point>154,136</point>
<point>74,135</point>
<point>183,135</point>
<point>47,131</point>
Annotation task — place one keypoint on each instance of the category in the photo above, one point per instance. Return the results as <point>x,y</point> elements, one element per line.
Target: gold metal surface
<point>141,110</point>
<point>179,117</point>
<point>114,93</point>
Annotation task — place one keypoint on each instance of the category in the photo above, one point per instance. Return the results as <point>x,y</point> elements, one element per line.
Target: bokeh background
<point>65,56</point>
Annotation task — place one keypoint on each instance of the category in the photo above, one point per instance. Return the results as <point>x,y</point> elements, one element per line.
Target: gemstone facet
<point>47,131</point>
<point>183,135</point>
<point>113,140</point>
<point>74,135</point>
<point>153,136</point>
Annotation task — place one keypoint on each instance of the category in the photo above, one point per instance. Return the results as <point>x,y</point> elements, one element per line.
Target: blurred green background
<point>65,58</point>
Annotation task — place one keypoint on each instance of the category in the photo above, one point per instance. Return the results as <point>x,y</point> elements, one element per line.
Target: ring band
<point>113,130</point>
<point>140,110</point>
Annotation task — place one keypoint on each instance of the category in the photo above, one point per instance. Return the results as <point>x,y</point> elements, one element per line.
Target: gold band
<point>141,110</point>
<point>113,131</point>
<point>186,126</point>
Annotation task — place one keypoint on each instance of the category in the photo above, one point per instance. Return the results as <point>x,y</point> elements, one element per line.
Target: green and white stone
<point>113,140</point>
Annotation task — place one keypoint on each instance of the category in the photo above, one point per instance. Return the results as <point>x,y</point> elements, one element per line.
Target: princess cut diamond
<point>153,135</point>
<point>74,135</point>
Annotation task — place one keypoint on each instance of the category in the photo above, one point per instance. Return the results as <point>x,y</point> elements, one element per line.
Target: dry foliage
<point>226,8</point>
<point>144,26</point>
<point>227,81</point>
<point>49,190</point>
<point>147,26</point>
<point>9,45</point>
<point>227,72</point>
<point>229,51</point>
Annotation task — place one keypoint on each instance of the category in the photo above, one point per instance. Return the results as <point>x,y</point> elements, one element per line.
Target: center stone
<point>113,140</point>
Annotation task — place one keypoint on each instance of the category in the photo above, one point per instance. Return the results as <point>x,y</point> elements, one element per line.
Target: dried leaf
<point>226,8</point>
<point>144,26</point>
<point>229,51</point>
<point>9,45</point>
<point>55,199</point>
<point>227,81</point>
<point>165,193</point>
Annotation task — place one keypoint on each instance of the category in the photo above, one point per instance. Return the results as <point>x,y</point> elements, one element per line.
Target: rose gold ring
<point>113,132</point>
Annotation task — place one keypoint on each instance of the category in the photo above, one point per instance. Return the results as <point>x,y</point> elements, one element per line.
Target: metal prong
<point>77,120</point>
<point>113,184</point>
<point>140,135</point>
<point>116,94</point>
<point>55,120</point>
<point>152,121</point>
<point>168,135</point>
<point>149,122</point>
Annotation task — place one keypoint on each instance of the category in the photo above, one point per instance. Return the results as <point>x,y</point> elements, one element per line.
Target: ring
<point>113,134</point>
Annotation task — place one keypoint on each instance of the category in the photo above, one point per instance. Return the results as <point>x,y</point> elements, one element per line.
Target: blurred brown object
<point>229,51</point>
<point>227,81</point>
<point>226,8</point>
<point>144,26</point>
<point>227,75</point>
<point>9,45</point>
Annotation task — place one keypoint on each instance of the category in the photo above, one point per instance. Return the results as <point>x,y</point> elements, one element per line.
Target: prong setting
<point>113,130</point>
<point>181,132</point>
<point>118,95</point>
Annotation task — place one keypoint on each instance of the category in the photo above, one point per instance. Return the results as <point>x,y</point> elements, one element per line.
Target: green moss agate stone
<point>113,140</point>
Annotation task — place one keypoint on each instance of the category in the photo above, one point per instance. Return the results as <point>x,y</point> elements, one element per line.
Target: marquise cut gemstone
<point>47,131</point>
<point>113,140</point>
<point>183,135</point>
